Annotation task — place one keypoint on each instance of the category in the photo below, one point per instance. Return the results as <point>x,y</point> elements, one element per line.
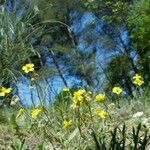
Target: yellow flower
<point>138,82</point>
<point>137,76</point>
<point>66,89</point>
<point>81,91</point>
<point>21,110</point>
<point>28,68</point>
<point>137,79</point>
<point>101,113</point>
<point>67,124</point>
<point>117,90</point>
<point>100,97</point>
<point>4,91</point>
<point>78,98</point>
<point>35,112</point>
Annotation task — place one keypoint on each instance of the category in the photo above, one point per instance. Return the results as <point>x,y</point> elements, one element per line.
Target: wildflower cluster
<point>67,123</point>
<point>101,113</point>
<point>100,97</point>
<point>4,91</point>
<point>78,98</point>
<point>35,112</point>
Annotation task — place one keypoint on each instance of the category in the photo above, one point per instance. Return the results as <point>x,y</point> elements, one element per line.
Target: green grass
<point>119,130</point>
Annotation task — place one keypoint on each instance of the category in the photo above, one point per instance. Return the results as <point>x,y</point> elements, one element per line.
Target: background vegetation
<point>60,61</point>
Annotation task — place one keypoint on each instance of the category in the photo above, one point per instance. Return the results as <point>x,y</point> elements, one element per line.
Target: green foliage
<point>63,99</point>
<point>111,11</point>
<point>139,20</point>
<point>52,10</point>
<point>132,16</point>
<point>15,44</point>
<point>118,70</point>
<point>119,138</point>
<point>18,145</point>
<point>13,48</point>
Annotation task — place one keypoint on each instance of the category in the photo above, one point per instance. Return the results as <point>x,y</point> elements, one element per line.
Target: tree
<point>139,20</point>
<point>118,70</point>
<point>61,42</point>
<point>124,17</point>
